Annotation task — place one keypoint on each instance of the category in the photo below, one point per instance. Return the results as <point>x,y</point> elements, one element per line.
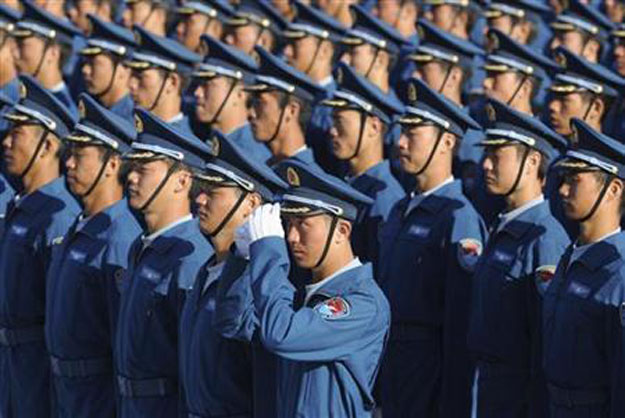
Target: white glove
<point>265,222</point>
<point>243,239</point>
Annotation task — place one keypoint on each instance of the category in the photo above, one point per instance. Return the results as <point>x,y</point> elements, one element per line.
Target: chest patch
<point>19,230</point>
<point>419,231</point>
<point>333,308</point>
<point>579,289</point>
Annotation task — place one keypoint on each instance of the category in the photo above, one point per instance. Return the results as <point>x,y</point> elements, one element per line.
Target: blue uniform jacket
<point>584,323</point>
<point>33,225</point>
<point>64,95</point>
<point>379,184</point>
<point>511,277</point>
<point>236,318</point>
<point>216,372</point>
<point>244,138</point>
<point>83,280</point>
<point>124,107</point>
<point>153,293</point>
<point>331,348</point>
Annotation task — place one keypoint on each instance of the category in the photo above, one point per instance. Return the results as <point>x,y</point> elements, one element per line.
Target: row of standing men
<point>130,304</point>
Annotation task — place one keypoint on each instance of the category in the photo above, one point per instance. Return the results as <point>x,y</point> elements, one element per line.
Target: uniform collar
<point>213,272</point>
<point>177,118</point>
<point>516,228</point>
<point>161,245</point>
<point>32,202</point>
<point>328,81</point>
<point>58,88</point>
<point>421,199</point>
<point>99,223</point>
<point>238,132</point>
<point>312,289</point>
<point>378,171</point>
<point>600,252</point>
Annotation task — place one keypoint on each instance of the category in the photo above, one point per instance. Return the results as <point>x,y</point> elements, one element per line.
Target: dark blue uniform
<point>379,184</point>
<point>328,359</point>
<point>63,94</point>
<point>153,294</point>
<point>216,372</point>
<point>33,226</point>
<point>584,332</point>
<point>513,274</point>
<point>427,257</point>
<point>81,310</point>
<point>124,107</point>
<point>243,137</point>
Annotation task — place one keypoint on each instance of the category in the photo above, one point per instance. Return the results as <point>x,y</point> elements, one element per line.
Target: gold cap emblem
<point>412,92</point>
<point>292,177</point>
<point>138,124</point>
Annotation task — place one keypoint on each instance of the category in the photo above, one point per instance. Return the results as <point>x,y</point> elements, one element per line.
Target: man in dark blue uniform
<point>105,76</point>
<point>584,308</point>
<point>428,250</point>
<point>82,297</point>
<point>36,221</point>
<point>216,371</point>
<point>524,247</point>
<point>221,96</point>
<point>330,349</point>
<point>281,100</point>
<point>582,30</point>
<point>362,114</point>
<point>160,67</point>
<point>163,265</point>
<point>44,42</point>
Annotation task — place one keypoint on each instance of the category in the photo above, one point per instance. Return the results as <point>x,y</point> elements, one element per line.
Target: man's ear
<point>343,231</point>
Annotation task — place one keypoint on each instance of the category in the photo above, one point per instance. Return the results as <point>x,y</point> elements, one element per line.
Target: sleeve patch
<point>544,275</point>
<point>469,252</point>
<point>622,314</point>
<point>333,308</point>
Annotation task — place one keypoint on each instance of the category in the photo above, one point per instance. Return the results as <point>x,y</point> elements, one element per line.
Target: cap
<point>38,105</point>
<point>427,106</point>
<point>158,139</point>
<point>232,166</point>
<point>212,8</point>
<point>276,74</point>
<point>109,37</point>
<point>313,192</point>
<point>259,13</point>
<point>593,151</point>
<point>578,74</point>
<point>100,126</point>
<point>510,55</point>
<point>356,92</point>
<point>373,31</point>
<point>225,61</point>
<point>314,22</point>
<point>509,126</point>
<point>36,21</point>
<point>583,17</point>
<point>438,45</point>
<point>160,52</point>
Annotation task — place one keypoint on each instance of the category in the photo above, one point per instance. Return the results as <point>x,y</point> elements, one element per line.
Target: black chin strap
<point>230,214</point>
<point>314,58</point>
<point>516,91</point>
<point>43,55</point>
<point>277,131</point>
<point>526,153</point>
<point>361,132</point>
<point>326,248</point>
<point>42,140</point>
<point>260,33</point>
<point>160,92</point>
<point>447,74</point>
<point>587,112</point>
<point>431,157</point>
<point>223,104</point>
<point>158,189</point>
<point>599,199</point>
<point>111,81</point>
<point>375,57</point>
<point>107,157</point>
<point>453,21</point>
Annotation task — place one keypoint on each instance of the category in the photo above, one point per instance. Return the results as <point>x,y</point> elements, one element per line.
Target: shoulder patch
<point>333,308</point>
<point>544,275</point>
<point>58,240</point>
<point>469,252</point>
<point>622,314</point>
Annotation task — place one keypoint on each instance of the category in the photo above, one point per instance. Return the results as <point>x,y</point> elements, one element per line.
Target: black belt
<point>146,388</point>
<point>81,368</point>
<point>576,397</point>
<point>10,337</point>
